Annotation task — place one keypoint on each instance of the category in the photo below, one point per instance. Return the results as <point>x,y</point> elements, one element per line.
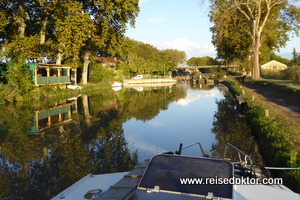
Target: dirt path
<point>287,105</point>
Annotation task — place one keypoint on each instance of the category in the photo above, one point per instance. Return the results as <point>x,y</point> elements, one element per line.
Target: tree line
<point>74,32</point>
<point>64,31</point>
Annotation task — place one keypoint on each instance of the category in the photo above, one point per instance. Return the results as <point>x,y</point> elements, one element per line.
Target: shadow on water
<point>46,148</point>
<point>231,127</point>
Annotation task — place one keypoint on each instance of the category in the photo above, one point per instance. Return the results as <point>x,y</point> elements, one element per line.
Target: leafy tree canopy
<point>202,61</point>
<point>244,29</point>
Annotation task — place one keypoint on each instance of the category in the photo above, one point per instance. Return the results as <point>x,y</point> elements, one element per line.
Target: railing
<point>53,79</point>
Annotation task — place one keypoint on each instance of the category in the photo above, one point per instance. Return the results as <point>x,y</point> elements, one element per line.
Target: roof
<point>274,62</point>
<point>42,65</point>
<point>108,60</point>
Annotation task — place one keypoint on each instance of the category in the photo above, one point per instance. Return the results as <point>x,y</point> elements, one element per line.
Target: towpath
<point>283,101</point>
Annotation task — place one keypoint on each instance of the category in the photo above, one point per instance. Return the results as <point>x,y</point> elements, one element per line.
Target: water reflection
<point>187,119</point>
<point>230,126</point>
<point>44,148</point>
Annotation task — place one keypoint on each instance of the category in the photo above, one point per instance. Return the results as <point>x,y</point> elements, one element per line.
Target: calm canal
<point>46,147</point>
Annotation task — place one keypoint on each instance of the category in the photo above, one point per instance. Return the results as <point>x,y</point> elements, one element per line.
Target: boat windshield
<point>168,172</point>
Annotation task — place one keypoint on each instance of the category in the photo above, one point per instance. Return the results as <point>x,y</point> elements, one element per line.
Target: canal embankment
<point>273,114</point>
<point>149,81</point>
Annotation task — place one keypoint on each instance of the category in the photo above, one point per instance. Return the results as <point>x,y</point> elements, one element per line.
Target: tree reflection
<point>230,127</point>
<point>147,104</point>
<point>43,152</point>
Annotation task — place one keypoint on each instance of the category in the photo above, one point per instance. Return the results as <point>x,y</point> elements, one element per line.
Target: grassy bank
<point>277,137</point>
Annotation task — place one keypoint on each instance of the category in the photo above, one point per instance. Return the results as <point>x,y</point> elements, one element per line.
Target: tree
<point>173,57</point>
<point>202,61</point>
<point>250,19</point>
<point>144,58</point>
<point>75,30</point>
<point>296,57</point>
<point>110,18</point>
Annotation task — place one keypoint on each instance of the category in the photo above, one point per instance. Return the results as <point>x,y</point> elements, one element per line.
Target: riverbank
<point>274,117</point>
<point>149,81</point>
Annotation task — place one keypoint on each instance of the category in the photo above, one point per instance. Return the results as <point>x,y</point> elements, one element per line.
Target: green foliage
<point>100,73</point>
<point>273,56</point>
<point>74,30</point>
<point>202,61</point>
<point>296,58</point>
<point>237,35</point>
<point>64,30</point>
<point>217,72</point>
<point>17,75</point>
<point>230,34</point>
<point>146,59</point>
<point>291,73</point>
<point>275,138</point>
<point>124,68</point>
<point>172,58</point>
<point>274,74</point>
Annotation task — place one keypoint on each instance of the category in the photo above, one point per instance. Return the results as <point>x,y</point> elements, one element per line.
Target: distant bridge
<point>206,67</point>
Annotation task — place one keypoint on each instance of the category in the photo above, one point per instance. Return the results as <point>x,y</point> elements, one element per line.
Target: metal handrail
<point>200,146</point>
<point>246,157</point>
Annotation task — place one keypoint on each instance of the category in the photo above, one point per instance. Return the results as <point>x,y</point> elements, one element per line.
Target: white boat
<point>172,177</point>
<point>116,84</point>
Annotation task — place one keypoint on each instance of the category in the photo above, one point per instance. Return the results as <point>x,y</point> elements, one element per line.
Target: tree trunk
<point>86,62</point>
<point>43,38</point>
<point>255,65</point>
<point>21,29</point>
<point>22,24</point>
<point>59,58</point>
<point>256,42</point>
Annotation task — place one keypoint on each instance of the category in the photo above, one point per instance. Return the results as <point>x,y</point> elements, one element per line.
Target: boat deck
<point>126,185</point>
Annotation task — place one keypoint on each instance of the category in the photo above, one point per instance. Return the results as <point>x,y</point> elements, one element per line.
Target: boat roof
<point>166,172</point>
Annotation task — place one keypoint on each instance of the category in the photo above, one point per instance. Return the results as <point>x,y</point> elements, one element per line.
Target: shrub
<point>293,73</point>
<point>275,74</point>
<point>101,73</point>
<point>18,75</point>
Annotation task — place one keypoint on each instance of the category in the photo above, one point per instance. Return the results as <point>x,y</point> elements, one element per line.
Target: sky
<point>183,25</point>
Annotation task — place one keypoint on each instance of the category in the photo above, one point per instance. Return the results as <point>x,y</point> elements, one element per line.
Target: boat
<point>116,84</point>
<point>172,176</point>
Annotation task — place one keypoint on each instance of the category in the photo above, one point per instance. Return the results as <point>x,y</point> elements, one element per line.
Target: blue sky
<point>182,25</point>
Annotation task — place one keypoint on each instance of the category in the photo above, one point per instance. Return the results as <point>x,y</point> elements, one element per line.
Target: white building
<point>274,65</point>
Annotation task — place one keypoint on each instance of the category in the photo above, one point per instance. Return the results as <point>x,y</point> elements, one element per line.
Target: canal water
<point>46,147</point>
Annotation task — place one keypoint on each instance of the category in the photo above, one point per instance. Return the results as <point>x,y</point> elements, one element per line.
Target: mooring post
<point>243,91</point>
<point>267,113</point>
<point>253,98</point>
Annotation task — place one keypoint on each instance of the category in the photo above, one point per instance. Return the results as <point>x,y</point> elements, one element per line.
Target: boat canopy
<point>165,173</point>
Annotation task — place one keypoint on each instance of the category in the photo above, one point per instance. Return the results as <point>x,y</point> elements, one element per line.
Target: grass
<point>277,137</point>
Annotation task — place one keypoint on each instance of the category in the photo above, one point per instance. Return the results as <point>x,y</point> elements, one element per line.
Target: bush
<point>274,74</point>
<point>18,76</point>
<point>293,73</point>
<point>99,73</point>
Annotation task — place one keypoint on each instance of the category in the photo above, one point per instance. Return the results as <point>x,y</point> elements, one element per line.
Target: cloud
<point>143,146</point>
<point>155,20</point>
<point>183,44</point>
<point>191,97</point>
